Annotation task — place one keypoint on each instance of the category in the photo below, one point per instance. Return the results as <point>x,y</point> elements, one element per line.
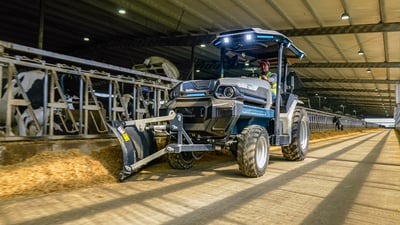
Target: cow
<point>338,124</point>
<point>32,82</point>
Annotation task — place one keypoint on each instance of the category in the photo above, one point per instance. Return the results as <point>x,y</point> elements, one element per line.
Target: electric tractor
<point>237,111</point>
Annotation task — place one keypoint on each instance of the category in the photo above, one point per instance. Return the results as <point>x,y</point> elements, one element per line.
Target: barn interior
<point>142,48</point>
<point>351,64</point>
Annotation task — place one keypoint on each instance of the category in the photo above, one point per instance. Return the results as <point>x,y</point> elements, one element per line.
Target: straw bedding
<point>52,171</point>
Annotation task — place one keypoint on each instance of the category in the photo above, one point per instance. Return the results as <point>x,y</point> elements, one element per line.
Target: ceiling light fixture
<point>86,39</point>
<point>369,70</point>
<point>202,45</point>
<point>345,16</point>
<point>122,11</point>
<point>361,52</point>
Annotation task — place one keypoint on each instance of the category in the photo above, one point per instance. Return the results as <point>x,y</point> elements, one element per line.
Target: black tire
<point>181,161</point>
<point>253,151</point>
<point>297,149</point>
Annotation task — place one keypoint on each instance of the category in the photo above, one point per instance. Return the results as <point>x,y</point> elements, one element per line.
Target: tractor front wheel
<point>253,151</point>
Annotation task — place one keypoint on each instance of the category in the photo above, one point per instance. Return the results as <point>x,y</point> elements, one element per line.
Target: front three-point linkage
<point>135,139</point>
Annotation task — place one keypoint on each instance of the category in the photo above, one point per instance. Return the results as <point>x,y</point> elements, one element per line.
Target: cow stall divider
<point>324,121</point>
<point>115,93</point>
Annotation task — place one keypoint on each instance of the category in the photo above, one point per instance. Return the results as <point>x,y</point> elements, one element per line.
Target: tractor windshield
<point>242,50</point>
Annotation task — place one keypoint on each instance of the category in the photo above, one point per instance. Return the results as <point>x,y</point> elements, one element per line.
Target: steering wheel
<point>253,74</point>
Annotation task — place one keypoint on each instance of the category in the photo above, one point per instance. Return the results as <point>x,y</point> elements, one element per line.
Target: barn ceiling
<point>335,76</point>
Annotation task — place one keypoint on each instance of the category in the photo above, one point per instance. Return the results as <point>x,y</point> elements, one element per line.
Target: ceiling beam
<point>363,81</point>
<point>348,65</point>
<point>318,90</point>
<point>363,28</point>
<point>349,97</point>
<point>193,40</point>
<point>201,64</point>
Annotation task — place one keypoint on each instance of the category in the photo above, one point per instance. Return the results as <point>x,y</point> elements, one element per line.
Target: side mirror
<point>293,82</point>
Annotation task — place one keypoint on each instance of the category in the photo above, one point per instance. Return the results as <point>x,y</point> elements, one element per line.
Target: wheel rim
<point>261,151</point>
<point>187,157</point>
<point>303,135</point>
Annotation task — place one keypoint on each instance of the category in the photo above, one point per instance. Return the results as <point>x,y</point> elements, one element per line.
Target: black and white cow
<point>338,123</point>
<point>32,82</point>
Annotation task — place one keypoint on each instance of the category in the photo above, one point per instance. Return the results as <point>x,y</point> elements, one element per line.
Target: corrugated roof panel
<point>319,49</point>
<point>348,46</point>
<point>361,73</point>
<point>267,12</point>
<point>311,52</point>
<point>297,13</point>
<point>369,43</point>
<point>391,11</point>
<point>393,46</point>
<point>379,73</point>
<point>206,19</point>
<point>363,12</point>
<point>329,12</point>
<point>394,74</point>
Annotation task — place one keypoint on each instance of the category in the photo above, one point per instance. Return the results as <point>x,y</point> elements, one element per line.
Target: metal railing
<point>113,94</point>
<point>322,121</point>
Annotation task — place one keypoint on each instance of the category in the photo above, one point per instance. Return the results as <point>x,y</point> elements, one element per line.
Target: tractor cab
<point>241,51</point>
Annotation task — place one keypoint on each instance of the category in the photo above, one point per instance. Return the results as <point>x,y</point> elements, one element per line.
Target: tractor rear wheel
<point>253,151</point>
<point>297,149</point>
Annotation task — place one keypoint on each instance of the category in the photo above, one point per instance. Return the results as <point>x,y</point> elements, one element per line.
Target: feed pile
<point>51,171</point>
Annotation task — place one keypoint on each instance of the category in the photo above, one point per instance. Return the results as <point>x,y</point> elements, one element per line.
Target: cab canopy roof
<point>255,44</point>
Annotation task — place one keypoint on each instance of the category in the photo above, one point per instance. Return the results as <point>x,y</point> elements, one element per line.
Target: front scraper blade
<point>127,147</point>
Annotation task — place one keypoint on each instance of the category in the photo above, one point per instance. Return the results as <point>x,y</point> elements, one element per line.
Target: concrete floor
<point>349,180</point>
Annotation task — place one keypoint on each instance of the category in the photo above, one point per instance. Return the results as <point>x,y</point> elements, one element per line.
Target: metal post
<point>11,71</point>
<point>86,112</point>
<point>286,76</point>
<point>1,81</point>
<point>277,128</point>
<point>221,60</point>
<point>81,86</point>
<point>397,93</point>
<point>192,60</point>
<point>45,101</point>
<point>52,99</point>
<point>41,26</point>
<point>155,103</point>
<point>134,102</point>
<point>110,98</point>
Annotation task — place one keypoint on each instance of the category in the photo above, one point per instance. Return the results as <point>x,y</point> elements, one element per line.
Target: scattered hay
<point>336,133</point>
<point>51,171</point>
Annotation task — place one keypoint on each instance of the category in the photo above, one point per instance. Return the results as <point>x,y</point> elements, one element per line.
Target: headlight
<point>248,37</point>
<point>226,92</point>
<point>229,92</point>
<point>226,40</point>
